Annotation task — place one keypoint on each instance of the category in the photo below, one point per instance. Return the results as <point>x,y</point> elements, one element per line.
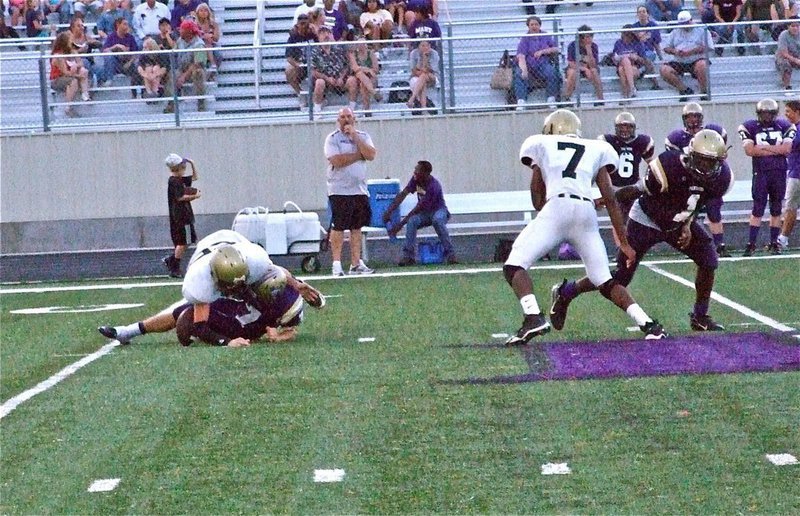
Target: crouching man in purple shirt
<point>429,211</point>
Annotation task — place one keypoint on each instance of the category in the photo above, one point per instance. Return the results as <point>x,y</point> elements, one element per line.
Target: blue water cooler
<point>381,194</point>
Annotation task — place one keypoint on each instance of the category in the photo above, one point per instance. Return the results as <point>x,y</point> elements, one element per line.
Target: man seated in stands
<point>376,21</point>
<point>120,40</point>
<point>146,17</point>
<point>727,11</point>
<point>191,66</point>
<point>534,66</point>
<point>688,47</point>
<point>112,10</point>
<point>425,27</point>
<point>787,58</point>
<point>181,10</point>
<point>757,10</point>
<point>583,61</point>
<point>664,10</point>
<point>56,11</point>
<point>412,9</point>
<point>296,67</point>
<point>330,70</point>
<point>304,8</point>
<point>424,64</point>
<point>85,7</point>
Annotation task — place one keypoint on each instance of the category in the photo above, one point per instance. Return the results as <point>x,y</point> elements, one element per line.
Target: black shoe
<point>685,94</point>
<point>773,248</point>
<point>653,331</point>
<point>749,250</point>
<point>719,51</point>
<point>704,323</point>
<point>532,326</point>
<point>558,310</point>
<point>406,261</point>
<point>110,332</point>
<point>722,251</point>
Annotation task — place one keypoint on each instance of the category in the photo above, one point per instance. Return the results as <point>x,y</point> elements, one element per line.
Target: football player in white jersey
<point>564,167</point>
<point>225,264</point>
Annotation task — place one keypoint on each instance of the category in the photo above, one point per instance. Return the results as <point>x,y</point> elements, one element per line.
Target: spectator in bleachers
<point>146,17</point>
<point>56,11</point>
<point>151,69</point>
<point>364,64</point>
<point>630,59</point>
<point>210,32</point>
<point>411,9</point>
<point>120,40</point>
<point>651,39</point>
<point>191,66</point>
<point>304,8</point>
<point>664,10</point>
<point>34,20</point>
<point>376,22</point>
<point>583,61</point>
<point>397,8</point>
<point>787,58</point>
<point>534,65</point>
<point>782,10</point>
<point>16,8</point>
<point>296,68</point>
<point>84,43</point>
<point>316,19</point>
<point>352,10</point>
<point>705,8</point>
<point>85,7</point>
<point>7,32</point>
<point>688,47</point>
<point>164,38</point>
<point>330,70</point>
<point>334,19</point>
<point>182,9</point>
<point>67,73</point>
<point>424,26</point>
<point>758,10</point>
<point>424,64</point>
<point>728,11</point>
<point>112,11</point>
<point>550,6</point>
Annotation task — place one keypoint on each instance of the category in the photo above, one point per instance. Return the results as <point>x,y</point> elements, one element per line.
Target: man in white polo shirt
<point>146,17</point>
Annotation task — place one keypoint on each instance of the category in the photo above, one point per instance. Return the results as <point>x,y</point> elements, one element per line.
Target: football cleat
<point>704,323</point>
<point>774,248</point>
<point>361,268</point>
<point>653,331</point>
<point>558,310</point>
<point>317,303</point>
<point>532,326</point>
<point>749,250</point>
<point>110,332</point>
<point>722,251</point>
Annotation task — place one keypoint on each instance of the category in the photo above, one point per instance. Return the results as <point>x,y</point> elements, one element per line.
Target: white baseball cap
<point>173,160</point>
<point>684,16</point>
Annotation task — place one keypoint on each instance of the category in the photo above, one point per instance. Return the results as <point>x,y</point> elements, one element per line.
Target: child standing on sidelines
<point>180,194</point>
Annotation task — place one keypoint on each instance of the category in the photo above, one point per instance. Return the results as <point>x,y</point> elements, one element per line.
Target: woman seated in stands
<point>630,59</point>
<point>152,70</point>
<point>364,65</point>
<point>424,64</point>
<point>83,43</point>
<point>210,28</point>
<point>16,8</point>
<point>34,20</point>
<point>67,73</point>
<point>376,21</point>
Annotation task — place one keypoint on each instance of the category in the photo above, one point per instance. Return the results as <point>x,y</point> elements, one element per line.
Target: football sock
<point>637,314</point>
<point>317,108</point>
<point>773,233</point>
<point>718,238</point>
<point>754,234</point>
<point>570,290</point>
<point>130,331</point>
<point>529,305</point>
<point>700,308</point>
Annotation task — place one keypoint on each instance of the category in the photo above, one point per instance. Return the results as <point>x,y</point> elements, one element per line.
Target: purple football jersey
<point>631,154</point>
<point>680,138</point>
<point>673,194</point>
<point>771,134</point>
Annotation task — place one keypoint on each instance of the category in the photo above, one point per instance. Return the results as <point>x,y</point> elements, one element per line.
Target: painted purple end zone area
<point>717,353</point>
<point>701,354</point>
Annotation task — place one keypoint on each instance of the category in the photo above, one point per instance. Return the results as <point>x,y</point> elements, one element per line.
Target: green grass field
<point>215,430</point>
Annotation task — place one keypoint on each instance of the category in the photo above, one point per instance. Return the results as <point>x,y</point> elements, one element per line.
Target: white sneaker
<point>634,92</point>
<point>520,105</point>
<point>361,268</point>
<point>783,241</point>
<point>337,270</point>
<point>551,102</point>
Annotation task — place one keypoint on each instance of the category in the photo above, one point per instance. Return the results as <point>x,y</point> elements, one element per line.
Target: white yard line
<point>725,301</point>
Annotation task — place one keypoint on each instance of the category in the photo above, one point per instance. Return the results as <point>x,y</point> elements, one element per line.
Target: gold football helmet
<point>562,121</point>
<point>705,154</point>
<point>229,270</point>
<point>766,111</point>
<point>625,126</point>
<point>692,117</point>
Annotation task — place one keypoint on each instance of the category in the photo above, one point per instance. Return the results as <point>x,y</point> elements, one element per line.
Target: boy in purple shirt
<point>429,211</point>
